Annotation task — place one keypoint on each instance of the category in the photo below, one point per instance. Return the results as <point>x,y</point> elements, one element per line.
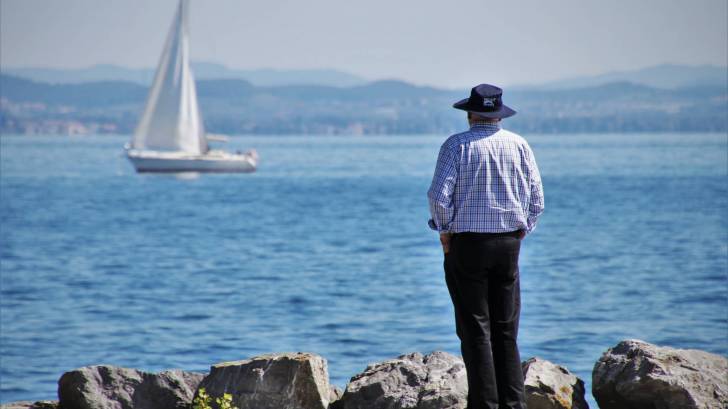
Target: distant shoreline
<point>235,106</point>
<point>346,136</point>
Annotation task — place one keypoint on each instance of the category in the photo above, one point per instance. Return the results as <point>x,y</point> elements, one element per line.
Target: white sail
<point>171,120</point>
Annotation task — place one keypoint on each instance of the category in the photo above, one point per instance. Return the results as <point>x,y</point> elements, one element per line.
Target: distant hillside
<point>669,76</point>
<point>235,106</point>
<point>202,70</point>
<point>101,72</point>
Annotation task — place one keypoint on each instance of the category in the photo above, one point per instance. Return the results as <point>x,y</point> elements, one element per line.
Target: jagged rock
<point>412,381</point>
<point>551,386</point>
<point>111,387</point>
<point>273,381</point>
<point>41,404</point>
<point>334,393</point>
<point>635,374</point>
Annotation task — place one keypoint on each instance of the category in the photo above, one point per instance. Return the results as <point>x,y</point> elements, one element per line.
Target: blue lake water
<point>326,249</point>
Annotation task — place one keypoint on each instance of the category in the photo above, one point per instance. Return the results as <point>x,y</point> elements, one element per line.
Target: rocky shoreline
<point>633,374</point>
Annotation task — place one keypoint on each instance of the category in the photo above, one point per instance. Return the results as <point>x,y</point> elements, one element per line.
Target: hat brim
<point>502,112</point>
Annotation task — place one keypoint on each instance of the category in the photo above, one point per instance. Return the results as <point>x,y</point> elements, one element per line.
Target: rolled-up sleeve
<point>536,202</point>
<point>440,194</point>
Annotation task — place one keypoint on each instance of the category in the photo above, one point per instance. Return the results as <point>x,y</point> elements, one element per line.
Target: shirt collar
<point>486,126</point>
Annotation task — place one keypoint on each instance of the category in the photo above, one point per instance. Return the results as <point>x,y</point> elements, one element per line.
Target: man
<point>486,195</point>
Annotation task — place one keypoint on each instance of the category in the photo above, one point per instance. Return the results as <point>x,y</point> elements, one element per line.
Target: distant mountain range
<point>202,70</point>
<point>236,106</point>
<point>668,76</point>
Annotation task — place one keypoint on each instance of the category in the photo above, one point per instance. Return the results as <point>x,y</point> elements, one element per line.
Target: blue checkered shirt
<point>486,181</point>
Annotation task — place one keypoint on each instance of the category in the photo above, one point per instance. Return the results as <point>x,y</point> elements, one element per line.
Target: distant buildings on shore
<point>234,106</point>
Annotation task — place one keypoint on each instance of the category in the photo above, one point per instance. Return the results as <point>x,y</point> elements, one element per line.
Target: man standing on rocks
<point>486,195</point>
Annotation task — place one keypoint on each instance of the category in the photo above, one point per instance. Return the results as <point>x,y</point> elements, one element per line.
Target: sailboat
<point>170,136</point>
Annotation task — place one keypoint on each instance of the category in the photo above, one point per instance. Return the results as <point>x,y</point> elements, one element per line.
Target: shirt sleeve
<point>536,203</point>
<point>440,194</point>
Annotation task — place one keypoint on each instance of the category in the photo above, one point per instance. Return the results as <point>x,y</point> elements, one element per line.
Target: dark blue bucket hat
<point>485,100</point>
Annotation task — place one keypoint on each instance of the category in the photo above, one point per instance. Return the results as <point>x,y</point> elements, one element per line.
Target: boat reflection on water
<point>187,175</point>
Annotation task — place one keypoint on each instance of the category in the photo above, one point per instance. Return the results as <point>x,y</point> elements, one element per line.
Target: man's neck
<point>486,124</point>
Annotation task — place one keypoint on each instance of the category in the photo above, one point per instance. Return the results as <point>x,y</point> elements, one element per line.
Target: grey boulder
<point>273,381</point>
<point>551,386</point>
<point>412,381</point>
<point>635,374</point>
<point>111,387</point>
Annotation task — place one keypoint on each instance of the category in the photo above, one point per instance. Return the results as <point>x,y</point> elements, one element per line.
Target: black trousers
<point>481,271</point>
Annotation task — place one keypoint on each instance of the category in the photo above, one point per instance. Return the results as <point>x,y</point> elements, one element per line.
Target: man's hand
<point>445,241</point>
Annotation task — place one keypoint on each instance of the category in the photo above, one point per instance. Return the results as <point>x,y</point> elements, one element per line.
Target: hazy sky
<point>453,43</point>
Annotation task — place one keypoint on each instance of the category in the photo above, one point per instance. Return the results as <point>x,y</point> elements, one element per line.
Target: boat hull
<point>173,162</point>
